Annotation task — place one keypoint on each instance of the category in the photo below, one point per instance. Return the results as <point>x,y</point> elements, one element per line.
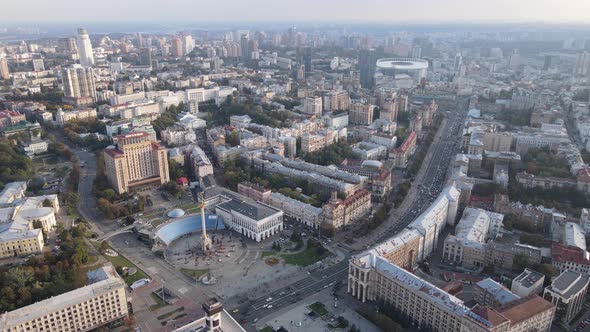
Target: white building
<point>84,48</point>
<point>177,135</point>
<point>527,283</point>
<point>300,211</point>
<point>35,147</point>
<point>200,162</point>
<point>61,116</point>
<point>255,220</point>
<point>567,292</point>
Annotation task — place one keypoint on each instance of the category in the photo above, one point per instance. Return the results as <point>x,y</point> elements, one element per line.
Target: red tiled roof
<point>524,308</point>
<point>563,253</point>
<point>114,153</point>
<point>406,144</point>
<point>490,315</point>
<point>584,175</point>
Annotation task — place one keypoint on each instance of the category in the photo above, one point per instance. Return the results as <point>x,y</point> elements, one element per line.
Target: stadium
<point>402,72</point>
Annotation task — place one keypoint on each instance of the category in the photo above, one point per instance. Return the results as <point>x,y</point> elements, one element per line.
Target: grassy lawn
<point>196,274</point>
<point>267,329</point>
<point>124,262</point>
<point>304,258</point>
<point>159,302</point>
<point>268,253</point>
<point>319,308</point>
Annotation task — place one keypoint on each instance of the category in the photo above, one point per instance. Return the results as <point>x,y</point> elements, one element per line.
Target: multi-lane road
<point>430,184</point>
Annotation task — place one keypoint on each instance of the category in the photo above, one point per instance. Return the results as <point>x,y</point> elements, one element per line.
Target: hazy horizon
<point>303,11</point>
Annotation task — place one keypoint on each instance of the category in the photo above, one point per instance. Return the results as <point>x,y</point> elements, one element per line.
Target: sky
<point>313,11</point>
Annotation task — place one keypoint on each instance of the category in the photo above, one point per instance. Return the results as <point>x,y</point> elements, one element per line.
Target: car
<point>270,306</point>
<point>236,310</point>
<point>269,299</point>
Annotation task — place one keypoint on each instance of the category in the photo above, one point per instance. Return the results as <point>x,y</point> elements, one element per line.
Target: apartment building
<point>403,153</point>
<point>254,191</point>
<point>102,301</point>
<point>361,114</point>
<point>61,116</point>
<point>137,160</point>
<point>339,213</point>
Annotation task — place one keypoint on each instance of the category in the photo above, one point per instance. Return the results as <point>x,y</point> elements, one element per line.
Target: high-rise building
<point>367,62</point>
<point>67,45</point>
<point>361,114</point>
<point>458,61</point>
<point>4,73</point>
<point>245,45</point>
<point>145,56</point>
<point>85,48</point>
<point>416,52</point>
<point>547,63</point>
<point>188,43</point>
<point>136,161</point>
<point>176,49</point>
<point>79,82</point>
<point>582,67</point>
<point>307,56</point>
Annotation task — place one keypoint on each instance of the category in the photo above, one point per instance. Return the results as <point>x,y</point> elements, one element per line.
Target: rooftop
<point>528,278</point>
<point>568,284</point>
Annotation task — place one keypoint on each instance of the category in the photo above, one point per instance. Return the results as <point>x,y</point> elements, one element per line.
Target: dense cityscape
<point>294,177</point>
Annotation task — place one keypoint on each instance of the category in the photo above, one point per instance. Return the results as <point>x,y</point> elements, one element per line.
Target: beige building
<point>79,82</point>
<point>498,142</point>
<point>371,277</point>
<point>313,106</point>
<point>361,114</point>
<point>102,301</point>
<point>4,73</point>
<point>338,213</point>
<point>254,191</point>
<point>137,160</point>
<point>62,117</point>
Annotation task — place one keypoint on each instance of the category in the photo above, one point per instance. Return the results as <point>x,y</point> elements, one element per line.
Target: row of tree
<point>47,275</point>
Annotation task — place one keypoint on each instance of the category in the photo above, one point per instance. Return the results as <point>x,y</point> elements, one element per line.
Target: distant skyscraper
<point>85,48</point>
<point>145,56</point>
<point>245,45</point>
<point>367,62</point>
<point>188,43</point>
<point>416,52</point>
<point>307,57</point>
<point>79,82</point>
<point>67,45</point>
<point>176,48</point>
<point>4,73</point>
<point>582,67</point>
<point>514,61</point>
<point>458,61</point>
<point>547,62</point>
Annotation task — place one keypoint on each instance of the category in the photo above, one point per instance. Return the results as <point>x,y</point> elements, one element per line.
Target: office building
<point>372,277</point>
<point>4,73</point>
<point>102,301</point>
<point>79,82</point>
<point>527,283</point>
<point>136,161</point>
<point>367,62</point>
<point>567,292</point>
<point>85,48</point>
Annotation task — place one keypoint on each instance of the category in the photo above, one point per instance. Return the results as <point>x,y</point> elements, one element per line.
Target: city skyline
<point>423,11</point>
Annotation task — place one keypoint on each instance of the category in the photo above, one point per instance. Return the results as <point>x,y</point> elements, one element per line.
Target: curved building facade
<point>402,72</point>
<point>171,231</point>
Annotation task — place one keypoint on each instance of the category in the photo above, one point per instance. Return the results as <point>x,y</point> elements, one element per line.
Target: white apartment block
<point>313,106</point>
